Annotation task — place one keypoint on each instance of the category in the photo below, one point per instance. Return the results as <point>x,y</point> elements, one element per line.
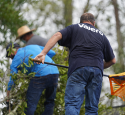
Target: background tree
<point>10,19</point>
<point>50,16</point>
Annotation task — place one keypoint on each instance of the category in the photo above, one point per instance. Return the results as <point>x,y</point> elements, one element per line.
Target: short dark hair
<point>87,17</point>
<point>29,33</point>
<point>14,45</point>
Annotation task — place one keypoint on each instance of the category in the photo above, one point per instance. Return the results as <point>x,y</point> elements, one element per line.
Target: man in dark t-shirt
<point>89,53</point>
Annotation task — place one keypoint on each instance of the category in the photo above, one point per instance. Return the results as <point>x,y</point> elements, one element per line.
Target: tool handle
<point>50,63</point>
<point>58,65</point>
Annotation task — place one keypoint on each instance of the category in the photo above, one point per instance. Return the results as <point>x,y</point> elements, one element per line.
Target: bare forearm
<point>52,41</point>
<point>108,64</point>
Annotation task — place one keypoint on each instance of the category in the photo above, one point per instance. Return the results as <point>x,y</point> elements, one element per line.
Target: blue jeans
<point>34,92</point>
<point>83,81</point>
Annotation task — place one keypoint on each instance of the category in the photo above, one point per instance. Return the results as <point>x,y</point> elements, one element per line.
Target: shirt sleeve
<point>11,82</point>
<point>108,52</point>
<point>66,36</point>
<point>13,69</point>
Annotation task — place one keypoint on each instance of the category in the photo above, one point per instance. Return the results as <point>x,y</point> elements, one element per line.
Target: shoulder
<point>105,39</point>
<point>19,54</point>
<point>35,39</point>
<point>72,26</point>
<point>37,36</point>
<point>69,28</point>
<point>32,47</point>
<point>20,50</point>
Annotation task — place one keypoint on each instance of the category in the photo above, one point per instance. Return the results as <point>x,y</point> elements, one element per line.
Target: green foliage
<point>110,96</point>
<point>10,18</point>
<point>11,50</point>
<point>47,12</point>
<point>61,58</point>
<point>2,75</point>
<point>18,92</point>
<point>103,110</point>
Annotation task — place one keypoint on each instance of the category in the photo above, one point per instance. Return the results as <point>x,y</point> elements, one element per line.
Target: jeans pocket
<point>97,76</point>
<point>55,81</point>
<point>76,76</point>
<point>39,83</point>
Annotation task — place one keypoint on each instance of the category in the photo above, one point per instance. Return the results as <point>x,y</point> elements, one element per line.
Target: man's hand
<point>108,64</point>
<point>40,57</point>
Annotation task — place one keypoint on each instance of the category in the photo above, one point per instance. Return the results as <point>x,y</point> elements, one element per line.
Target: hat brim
<point>25,33</point>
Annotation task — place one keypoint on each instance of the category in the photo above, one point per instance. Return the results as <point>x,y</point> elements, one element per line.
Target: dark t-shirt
<point>37,40</point>
<point>87,45</point>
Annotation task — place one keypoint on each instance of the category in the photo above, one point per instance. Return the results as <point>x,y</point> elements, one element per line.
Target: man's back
<point>37,40</point>
<point>88,46</point>
<point>23,55</point>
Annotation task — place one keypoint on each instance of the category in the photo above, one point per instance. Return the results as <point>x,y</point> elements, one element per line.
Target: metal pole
<point>57,65</point>
<point>50,63</point>
<point>105,75</point>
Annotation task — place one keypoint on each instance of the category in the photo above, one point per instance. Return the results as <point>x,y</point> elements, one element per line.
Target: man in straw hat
<point>26,35</point>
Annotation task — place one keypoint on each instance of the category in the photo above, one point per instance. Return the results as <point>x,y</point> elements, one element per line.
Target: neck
<point>29,37</point>
<point>88,22</point>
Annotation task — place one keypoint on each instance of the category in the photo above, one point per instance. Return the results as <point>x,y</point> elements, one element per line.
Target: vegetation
<point>58,14</point>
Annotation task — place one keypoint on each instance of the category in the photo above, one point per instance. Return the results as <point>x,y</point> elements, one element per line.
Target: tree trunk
<point>68,7</point>
<point>120,39</point>
<point>86,9</point>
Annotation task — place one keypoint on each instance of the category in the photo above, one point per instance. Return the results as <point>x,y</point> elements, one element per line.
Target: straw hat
<point>23,30</point>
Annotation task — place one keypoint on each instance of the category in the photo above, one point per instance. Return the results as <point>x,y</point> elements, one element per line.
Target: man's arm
<point>108,64</point>
<point>51,53</point>
<point>52,41</point>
